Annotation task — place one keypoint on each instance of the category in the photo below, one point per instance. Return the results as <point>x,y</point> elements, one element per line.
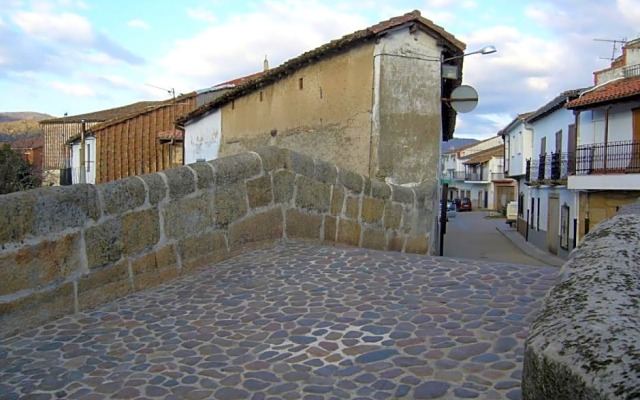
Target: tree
<point>15,172</point>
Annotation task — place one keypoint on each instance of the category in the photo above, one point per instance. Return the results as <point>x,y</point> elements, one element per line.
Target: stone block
<point>188,216</point>
<point>374,239</point>
<point>326,172</point>
<point>417,245</point>
<point>372,210</point>
<point>236,168</point>
<point>330,228</point>
<point>230,204</point>
<point>303,164</point>
<point>259,191</point>
<point>274,158</point>
<point>303,225</point>
<point>103,285</point>
<point>348,232</point>
<point>140,230</point>
<point>181,182</point>
<point>396,242</point>
<point>380,190</point>
<point>351,180</point>
<point>63,207</point>
<point>205,179</point>
<point>402,194</point>
<point>200,251</point>
<point>392,215</point>
<point>156,188</point>
<point>265,226</point>
<point>122,195</point>
<point>352,207</point>
<point>17,216</point>
<point>312,195</point>
<point>283,184</point>
<point>337,200</point>
<point>35,309</point>
<point>367,186</point>
<point>102,243</point>
<point>34,266</point>
<point>155,268</point>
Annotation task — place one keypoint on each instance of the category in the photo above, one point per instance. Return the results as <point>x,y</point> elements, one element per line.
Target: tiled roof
<point>346,42</point>
<point>105,115</point>
<point>171,134</point>
<point>485,155</point>
<point>518,119</point>
<point>28,143</point>
<point>555,104</point>
<point>616,91</point>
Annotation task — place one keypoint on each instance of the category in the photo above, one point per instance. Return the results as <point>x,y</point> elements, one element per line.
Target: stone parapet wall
<point>67,249</point>
<point>585,343</point>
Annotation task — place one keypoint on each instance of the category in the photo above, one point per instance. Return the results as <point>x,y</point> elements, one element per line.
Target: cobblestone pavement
<point>296,321</point>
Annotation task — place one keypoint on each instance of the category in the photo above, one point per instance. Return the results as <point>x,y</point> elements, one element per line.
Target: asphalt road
<point>473,235</point>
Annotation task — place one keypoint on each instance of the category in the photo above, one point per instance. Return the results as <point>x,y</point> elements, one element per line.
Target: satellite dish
<point>463,99</point>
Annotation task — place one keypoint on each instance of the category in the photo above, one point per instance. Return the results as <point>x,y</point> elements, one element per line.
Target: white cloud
<point>77,90</point>
<point>280,30</point>
<point>138,23</point>
<point>200,14</point>
<point>630,12</point>
<point>67,27</point>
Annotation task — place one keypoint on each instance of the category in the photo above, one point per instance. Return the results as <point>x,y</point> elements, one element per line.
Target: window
<point>301,83</point>
<point>559,142</point>
<point>564,227</point>
<point>87,160</point>
<point>538,216</point>
<point>260,95</point>
<point>533,213</point>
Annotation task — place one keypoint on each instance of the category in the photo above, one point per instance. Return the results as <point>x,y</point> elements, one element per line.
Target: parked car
<point>465,204</point>
<point>451,209</point>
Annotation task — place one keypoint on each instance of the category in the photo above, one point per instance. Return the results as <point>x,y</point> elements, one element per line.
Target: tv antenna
<point>171,91</point>
<point>615,42</point>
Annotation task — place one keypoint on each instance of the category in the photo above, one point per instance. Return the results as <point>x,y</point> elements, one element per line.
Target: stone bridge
<point>271,275</point>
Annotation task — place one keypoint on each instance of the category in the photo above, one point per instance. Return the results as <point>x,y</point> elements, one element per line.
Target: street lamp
<point>450,71</point>
<point>484,50</point>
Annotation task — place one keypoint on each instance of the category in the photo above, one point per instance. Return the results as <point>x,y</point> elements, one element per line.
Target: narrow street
<point>473,235</point>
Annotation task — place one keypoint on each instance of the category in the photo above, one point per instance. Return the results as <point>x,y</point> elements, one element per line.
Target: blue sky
<point>79,56</point>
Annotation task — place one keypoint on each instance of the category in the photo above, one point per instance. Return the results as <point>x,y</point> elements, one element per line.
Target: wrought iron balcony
<point>608,158</point>
<point>548,169</point>
<point>458,176</point>
<point>477,176</point>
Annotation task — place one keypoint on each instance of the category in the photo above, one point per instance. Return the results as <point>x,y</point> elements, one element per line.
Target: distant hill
<point>457,142</point>
<point>23,116</point>
<point>18,125</point>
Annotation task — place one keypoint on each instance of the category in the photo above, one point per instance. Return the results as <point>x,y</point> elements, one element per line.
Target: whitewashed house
<point>607,168</point>
<point>551,205</point>
<point>89,166</point>
<point>518,146</point>
<point>476,171</point>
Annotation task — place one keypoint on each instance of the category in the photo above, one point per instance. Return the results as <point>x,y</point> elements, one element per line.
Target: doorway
<point>553,223</point>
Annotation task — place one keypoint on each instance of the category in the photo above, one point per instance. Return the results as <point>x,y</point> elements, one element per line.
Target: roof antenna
<point>615,42</point>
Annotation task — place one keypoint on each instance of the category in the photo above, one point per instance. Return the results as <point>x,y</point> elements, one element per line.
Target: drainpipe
<point>83,178</point>
<point>606,136</point>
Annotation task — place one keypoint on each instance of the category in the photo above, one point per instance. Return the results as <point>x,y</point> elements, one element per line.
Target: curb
<point>531,250</point>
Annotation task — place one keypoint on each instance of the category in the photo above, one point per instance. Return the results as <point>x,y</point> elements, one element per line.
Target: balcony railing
<point>458,175</point>
<point>498,176</point>
<point>549,169</point>
<point>608,158</point>
<point>477,176</point>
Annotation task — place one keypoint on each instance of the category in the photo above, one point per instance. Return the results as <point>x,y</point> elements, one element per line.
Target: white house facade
<point>89,161</point>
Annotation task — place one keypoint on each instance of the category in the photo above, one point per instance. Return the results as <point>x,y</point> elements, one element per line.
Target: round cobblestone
<point>290,322</point>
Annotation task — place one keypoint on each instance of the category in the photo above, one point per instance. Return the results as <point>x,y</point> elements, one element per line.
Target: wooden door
<point>553,224</point>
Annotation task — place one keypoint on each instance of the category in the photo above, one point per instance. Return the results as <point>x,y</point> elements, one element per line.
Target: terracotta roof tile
<point>28,143</point>
<point>485,155</point>
<point>612,92</point>
<point>171,134</point>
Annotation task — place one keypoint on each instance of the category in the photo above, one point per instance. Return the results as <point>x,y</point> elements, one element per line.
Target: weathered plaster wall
<point>66,249</point>
<point>585,343</point>
<point>408,125</point>
<point>326,115</point>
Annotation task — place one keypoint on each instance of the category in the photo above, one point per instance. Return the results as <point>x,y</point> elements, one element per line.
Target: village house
<point>607,156</point>
<point>370,102</point>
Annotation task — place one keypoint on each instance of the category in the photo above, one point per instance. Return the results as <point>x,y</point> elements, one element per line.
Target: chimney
<point>266,64</point>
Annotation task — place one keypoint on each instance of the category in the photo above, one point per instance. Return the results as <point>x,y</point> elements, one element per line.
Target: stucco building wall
<point>323,110</point>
